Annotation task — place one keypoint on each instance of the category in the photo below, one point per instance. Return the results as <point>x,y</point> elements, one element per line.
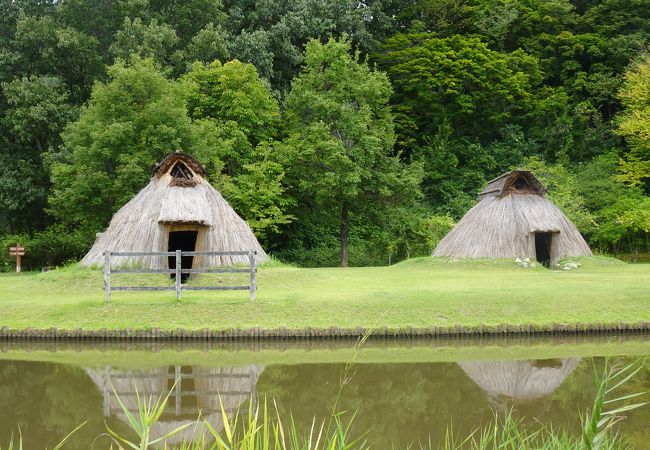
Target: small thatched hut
<point>513,219</point>
<point>177,210</point>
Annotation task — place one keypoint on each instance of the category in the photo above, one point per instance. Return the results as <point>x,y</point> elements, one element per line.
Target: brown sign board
<point>17,249</point>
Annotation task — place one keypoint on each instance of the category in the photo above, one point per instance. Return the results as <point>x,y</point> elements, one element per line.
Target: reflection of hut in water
<point>519,380</point>
<point>198,391</point>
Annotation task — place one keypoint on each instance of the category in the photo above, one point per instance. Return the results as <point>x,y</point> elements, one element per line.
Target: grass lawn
<point>421,292</point>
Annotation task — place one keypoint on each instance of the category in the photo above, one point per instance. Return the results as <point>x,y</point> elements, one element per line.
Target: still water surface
<point>403,391</point>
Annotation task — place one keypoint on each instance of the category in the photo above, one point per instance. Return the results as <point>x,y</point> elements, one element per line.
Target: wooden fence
<point>178,285</point>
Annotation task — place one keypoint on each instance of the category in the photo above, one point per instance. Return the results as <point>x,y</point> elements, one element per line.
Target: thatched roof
<point>519,380</point>
<point>177,198</point>
<point>502,224</point>
<point>520,181</point>
<point>201,388</point>
<point>166,164</point>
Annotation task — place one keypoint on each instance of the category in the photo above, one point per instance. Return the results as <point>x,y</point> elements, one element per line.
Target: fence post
<point>106,391</point>
<point>177,388</point>
<point>107,275</point>
<point>251,260</point>
<point>178,274</point>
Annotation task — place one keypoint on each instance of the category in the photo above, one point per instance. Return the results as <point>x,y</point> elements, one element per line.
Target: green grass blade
<point>60,444</point>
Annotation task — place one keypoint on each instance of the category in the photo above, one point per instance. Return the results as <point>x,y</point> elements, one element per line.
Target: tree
<point>131,122</point>
<point>233,101</point>
<point>456,80</point>
<point>41,46</point>
<point>272,35</point>
<point>99,18</point>
<point>340,139</point>
<point>36,111</point>
<point>634,124</point>
<point>138,40</point>
<point>209,44</point>
<point>563,190</point>
<point>453,97</point>
<point>188,17</point>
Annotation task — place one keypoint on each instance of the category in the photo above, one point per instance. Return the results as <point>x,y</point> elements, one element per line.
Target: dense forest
<point>344,131</point>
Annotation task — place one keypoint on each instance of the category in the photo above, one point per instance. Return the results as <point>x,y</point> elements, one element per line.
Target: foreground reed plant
<point>258,429</point>
<point>597,425</point>
<point>262,428</point>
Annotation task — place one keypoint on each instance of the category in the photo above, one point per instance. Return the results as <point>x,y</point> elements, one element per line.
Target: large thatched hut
<point>514,219</point>
<point>177,210</point>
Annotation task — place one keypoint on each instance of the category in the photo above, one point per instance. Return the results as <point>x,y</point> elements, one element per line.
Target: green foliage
<point>607,411</point>
<point>452,96</point>
<point>43,47</point>
<point>563,191</point>
<point>131,122</point>
<point>137,40</point>
<point>340,137</point>
<point>477,87</point>
<point>273,35</point>
<point>233,96</point>
<point>51,247</point>
<point>209,44</point>
<point>36,111</point>
<point>456,80</point>
<point>617,208</point>
<point>634,124</point>
<point>149,412</point>
<point>239,108</point>
<point>188,17</point>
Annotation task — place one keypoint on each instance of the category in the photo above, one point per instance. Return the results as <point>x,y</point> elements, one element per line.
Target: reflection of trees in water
<point>46,401</point>
<point>394,403</point>
<point>198,391</point>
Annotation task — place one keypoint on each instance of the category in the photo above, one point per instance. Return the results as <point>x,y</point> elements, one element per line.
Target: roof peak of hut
<point>170,160</point>
<point>514,182</point>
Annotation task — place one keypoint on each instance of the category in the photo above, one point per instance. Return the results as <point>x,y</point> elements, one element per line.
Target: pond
<point>403,391</point>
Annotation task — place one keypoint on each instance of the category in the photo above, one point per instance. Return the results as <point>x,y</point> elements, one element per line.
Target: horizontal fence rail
<point>207,386</point>
<point>179,286</point>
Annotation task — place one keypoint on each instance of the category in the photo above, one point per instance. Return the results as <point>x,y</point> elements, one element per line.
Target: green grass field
<point>421,292</point>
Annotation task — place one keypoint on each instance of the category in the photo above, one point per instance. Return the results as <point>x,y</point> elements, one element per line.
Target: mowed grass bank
<point>422,292</point>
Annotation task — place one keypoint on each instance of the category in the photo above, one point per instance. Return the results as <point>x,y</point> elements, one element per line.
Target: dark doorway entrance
<point>543,248</point>
<point>185,241</point>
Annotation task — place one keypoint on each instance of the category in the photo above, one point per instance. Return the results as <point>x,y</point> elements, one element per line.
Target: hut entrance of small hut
<point>543,246</point>
<point>184,241</point>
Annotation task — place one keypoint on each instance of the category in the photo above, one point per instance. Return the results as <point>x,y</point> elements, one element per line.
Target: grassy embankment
<point>146,355</point>
<point>422,292</point>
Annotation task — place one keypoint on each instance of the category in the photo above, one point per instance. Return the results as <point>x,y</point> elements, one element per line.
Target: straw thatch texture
<point>503,223</point>
<point>200,391</point>
<point>505,184</point>
<point>170,203</point>
<point>518,380</point>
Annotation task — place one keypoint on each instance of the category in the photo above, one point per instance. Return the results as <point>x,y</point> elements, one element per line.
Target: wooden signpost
<point>18,251</point>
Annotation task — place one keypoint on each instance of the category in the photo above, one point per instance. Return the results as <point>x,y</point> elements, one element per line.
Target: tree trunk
<point>345,228</point>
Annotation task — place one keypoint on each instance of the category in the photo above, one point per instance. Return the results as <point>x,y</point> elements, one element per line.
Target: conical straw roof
<point>177,198</point>
<point>511,209</point>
